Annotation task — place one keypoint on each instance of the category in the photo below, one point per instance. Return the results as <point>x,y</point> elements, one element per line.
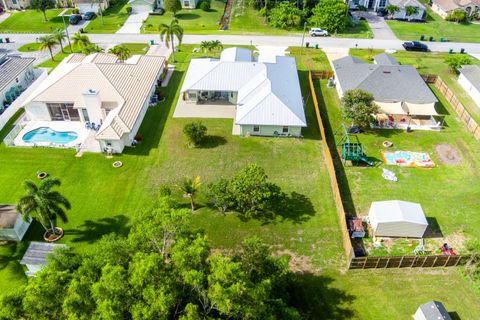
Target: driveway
<point>72,29</point>
<point>134,22</point>
<point>379,26</point>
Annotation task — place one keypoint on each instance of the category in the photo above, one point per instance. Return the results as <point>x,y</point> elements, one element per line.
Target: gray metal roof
<point>385,59</point>
<point>472,73</point>
<point>387,83</point>
<point>38,252</point>
<point>11,67</point>
<point>434,310</point>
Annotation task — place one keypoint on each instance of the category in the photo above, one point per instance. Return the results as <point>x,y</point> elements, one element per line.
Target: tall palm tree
<point>47,42</point>
<point>167,32</point>
<point>59,35</point>
<point>80,40</point>
<point>43,204</point>
<point>99,2</point>
<point>190,188</point>
<point>122,52</point>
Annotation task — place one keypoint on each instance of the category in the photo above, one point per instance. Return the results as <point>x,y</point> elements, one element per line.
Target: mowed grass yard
<point>31,21</point>
<point>113,18</point>
<point>436,27</point>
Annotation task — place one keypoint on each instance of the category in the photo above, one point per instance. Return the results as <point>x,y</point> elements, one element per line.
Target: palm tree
<point>43,204</point>
<point>216,45</point>
<point>121,51</point>
<point>205,46</point>
<point>80,40</point>
<point>99,2</point>
<point>167,32</point>
<point>59,35</point>
<point>391,9</point>
<point>189,188</point>
<point>48,42</point>
<point>410,11</point>
<point>91,48</point>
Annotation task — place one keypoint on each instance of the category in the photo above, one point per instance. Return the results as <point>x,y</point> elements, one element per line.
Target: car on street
<point>415,46</point>
<point>90,15</point>
<point>74,19</point>
<point>317,32</point>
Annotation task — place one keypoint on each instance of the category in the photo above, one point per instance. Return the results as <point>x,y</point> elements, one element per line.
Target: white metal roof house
<point>37,254</point>
<point>469,79</point>
<point>12,225</point>
<point>397,218</point>
<point>432,310</point>
<point>266,93</point>
<point>399,90</point>
<point>98,89</point>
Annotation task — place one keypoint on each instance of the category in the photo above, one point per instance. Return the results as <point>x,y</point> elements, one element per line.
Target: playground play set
<point>352,151</point>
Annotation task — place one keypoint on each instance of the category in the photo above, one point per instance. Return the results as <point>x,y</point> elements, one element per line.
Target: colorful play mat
<point>408,159</point>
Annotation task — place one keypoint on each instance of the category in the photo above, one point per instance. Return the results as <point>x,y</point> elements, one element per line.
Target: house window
<point>85,115</point>
<point>14,1</point>
<point>63,111</point>
<point>186,3</point>
<point>285,129</point>
<point>256,128</point>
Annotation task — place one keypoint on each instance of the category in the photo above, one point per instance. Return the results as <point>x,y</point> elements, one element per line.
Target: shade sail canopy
<point>420,109</point>
<point>391,107</point>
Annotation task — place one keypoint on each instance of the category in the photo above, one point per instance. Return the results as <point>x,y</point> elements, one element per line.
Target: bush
<point>457,16</point>
<point>75,11</point>
<point>330,15</point>
<point>456,61</point>
<point>195,132</point>
<point>128,9</point>
<point>285,16</point>
<point>205,6</point>
<point>358,106</point>
<point>219,195</point>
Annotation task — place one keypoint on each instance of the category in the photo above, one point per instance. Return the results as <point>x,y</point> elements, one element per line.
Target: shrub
<point>195,132</point>
<point>330,15</point>
<point>456,61</point>
<point>205,6</point>
<point>75,11</point>
<point>128,9</point>
<point>219,195</point>
<point>285,15</point>
<point>457,16</point>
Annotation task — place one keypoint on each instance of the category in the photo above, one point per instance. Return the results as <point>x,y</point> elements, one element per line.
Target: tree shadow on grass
<point>12,252</point>
<point>210,142</point>
<point>91,231</point>
<point>187,16</point>
<point>315,298</point>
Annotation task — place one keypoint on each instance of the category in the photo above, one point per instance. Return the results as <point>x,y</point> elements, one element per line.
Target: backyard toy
<point>389,175</point>
<point>352,151</point>
<point>408,159</point>
<point>447,250</point>
<point>387,144</point>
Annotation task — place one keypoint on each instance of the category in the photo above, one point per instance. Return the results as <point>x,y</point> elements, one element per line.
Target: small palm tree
<point>167,32</point>
<point>391,9</point>
<point>48,42</point>
<point>80,40</point>
<point>190,188</point>
<point>122,52</point>
<point>43,204</point>
<point>410,11</point>
<point>216,45</point>
<point>206,46</point>
<point>59,35</point>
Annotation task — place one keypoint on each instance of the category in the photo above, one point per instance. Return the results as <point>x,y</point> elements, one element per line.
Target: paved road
<point>328,42</point>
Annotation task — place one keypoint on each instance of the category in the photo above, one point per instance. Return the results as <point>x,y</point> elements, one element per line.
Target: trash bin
<point>422,37</point>
<point>7,40</point>
<point>450,50</point>
<point>430,38</point>
<point>442,40</point>
<point>316,45</point>
<point>307,44</point>
<point>152,42</point>
<point>462,50</point>
<point>1,40</point>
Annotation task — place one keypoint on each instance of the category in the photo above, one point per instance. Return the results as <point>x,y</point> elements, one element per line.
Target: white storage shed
<point>12,225</point>
<point>397,218</point>
<point>432,310</point>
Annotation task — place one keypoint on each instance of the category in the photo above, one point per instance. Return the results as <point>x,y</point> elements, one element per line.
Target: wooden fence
<point>369,262</point>
<point>322,74</point>
<point>347,244</point>
<point>406,262</point>
<point>469,122</point>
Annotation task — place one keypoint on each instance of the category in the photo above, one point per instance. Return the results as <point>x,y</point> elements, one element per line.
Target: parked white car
<point>317,32</point>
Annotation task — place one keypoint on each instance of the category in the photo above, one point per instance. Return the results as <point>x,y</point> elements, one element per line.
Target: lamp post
<point>303,36</point>
<point>66,31</point>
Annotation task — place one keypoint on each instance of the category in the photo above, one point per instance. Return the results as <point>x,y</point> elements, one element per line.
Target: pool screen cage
<point>9,139</point>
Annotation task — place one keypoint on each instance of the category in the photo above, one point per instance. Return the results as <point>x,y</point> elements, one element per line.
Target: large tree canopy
<point>162,270</point>
<point>330,15</point>
<point>359,107</point>
<point>285,15</point>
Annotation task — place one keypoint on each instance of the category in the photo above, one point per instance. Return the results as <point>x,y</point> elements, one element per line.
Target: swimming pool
<point>45,134</point>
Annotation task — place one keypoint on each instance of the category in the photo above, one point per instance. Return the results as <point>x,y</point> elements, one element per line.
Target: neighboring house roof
<point>387,83</point>
<point>434,310</point>
<point>38,252</point>
<point>406,3</point>
<point>385,59</point>
<point>11,67</point>
<point>268,93</point>
<point>126,85</point>
<point>449,5</point>
<point>472,73</point>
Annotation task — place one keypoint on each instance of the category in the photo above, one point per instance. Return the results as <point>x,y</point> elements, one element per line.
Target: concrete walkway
<point>134,23</point>
<point>379,26</point>
<point>4,16</point>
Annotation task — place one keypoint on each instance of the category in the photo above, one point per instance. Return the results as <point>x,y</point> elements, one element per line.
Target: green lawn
<point>360,31</point>
<point>57,58</point>
<point>437,27</point>
<point>29,47</point>
<point>31,21</point>
<point>113,19</point>
<point>193,21</point>
<point>137,48</point>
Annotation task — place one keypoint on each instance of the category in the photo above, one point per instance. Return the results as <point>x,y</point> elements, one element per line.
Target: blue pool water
<point>44,134</point>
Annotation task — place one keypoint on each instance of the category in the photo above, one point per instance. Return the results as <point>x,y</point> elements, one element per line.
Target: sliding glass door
<point>63,111</point>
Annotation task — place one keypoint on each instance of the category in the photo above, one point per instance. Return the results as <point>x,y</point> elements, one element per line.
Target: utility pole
<point>66,31</point>
<point>303,36</point>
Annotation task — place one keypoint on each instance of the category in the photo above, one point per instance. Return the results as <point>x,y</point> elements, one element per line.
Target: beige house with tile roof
<point>99,89</point>
<point>444,7</point>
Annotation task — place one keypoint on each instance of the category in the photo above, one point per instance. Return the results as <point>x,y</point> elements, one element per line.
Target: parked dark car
<point>90,15</point>
<point>75,19</point>
<point>415,46</point>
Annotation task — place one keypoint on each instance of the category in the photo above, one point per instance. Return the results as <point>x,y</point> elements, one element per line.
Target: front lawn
<point>193,21</point>
<point>30,47</point>
<point>113,18</point>
<point>31,21</point>
<point>436,27</point>
<point>137,48</point>
<point>57,58</point>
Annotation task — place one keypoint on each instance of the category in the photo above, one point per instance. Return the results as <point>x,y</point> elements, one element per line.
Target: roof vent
<point>385,71</point>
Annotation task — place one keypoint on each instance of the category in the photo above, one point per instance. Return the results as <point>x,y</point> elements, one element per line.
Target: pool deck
<point>61,126</point>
